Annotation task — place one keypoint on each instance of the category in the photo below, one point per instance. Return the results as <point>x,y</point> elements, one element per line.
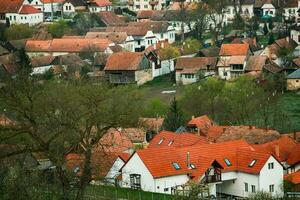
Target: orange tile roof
<point>124,61</point>
<point>10,6</point>
<point>294,156</point>
<point>234,50</point>
<point>293,177</point>
<point>239,153</point>
<point>102,3</point>
<point>101,163</point>
<point>52,1</point>
<point>5,121</point>
<point>27,9</point>
<point>214,132</point>
<point>203,123</point>
<point>113,141</point>
<point>280,148</point>
<point>68,45</point>
<point>154,124</point>
<point>171,139</point>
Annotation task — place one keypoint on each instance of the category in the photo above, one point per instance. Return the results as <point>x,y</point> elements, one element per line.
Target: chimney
<point>193,117</point>
<point>162,45</point>
<point>288,39</point>
<point>277,150</point>
<point>188,160</point>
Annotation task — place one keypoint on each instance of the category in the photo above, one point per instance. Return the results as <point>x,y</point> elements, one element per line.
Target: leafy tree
<point>82,23</point>
<point>238,22</point>
<point>49,74</point>
<point>174,118</point>
<point>156,108</point>
<point>18,32</point>
<point>216,14</point>
<point>271,25</point>
<point>191,46</point>
<point>199,15</point>
<point>253,26</point>
<point>271,39</point>
<point>59,29</point>
<point>77,118</point>
<point>286,55</point>
<point>265,29</point>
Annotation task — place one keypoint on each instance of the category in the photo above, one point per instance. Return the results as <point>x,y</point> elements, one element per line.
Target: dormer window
<point>252,163</point>
<point>160,141</point>
<point>171,142</point>
<point>176,165</point>
<point>228,163</point>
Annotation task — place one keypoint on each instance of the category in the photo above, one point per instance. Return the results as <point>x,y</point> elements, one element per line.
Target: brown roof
<point>10,6</point>
<point>145,14</point>
<point>251,134</point>
<point>136,135</point>
<point>296,61</point>
<point>132,31</point>
<point>3,51</point>
<point>116,37</point>
<point>286,43</point>
<point>154,124</point>
<point>256,63</point>
<point>210,52</point>
<point>234,50</point>
<point>67,45</point>
<point>10,63</point>
<point>196,63</point>
<point>272,67</point>
<point>155,27</point>
<point>110,18</point>
<point>42,61</point>
<point>124,61</point>
<point>291,4</point>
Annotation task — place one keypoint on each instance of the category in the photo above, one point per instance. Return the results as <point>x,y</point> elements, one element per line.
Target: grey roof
<point>77,3</point>
<point>294,75</point>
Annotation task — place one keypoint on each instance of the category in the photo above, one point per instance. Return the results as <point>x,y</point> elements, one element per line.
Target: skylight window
<point>171,142</point>
<point>176,165</point>
<point>252,163</point>
<point>228,163</point>
<point>192,166</point>
<point>160,141</point>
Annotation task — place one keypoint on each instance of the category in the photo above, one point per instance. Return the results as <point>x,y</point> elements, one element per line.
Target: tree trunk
<point>86,175</point>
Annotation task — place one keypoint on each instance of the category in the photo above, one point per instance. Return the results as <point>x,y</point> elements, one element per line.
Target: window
<point>15,18</point>
<point>271,188</point>
<point>252,163</point>
<point>176,165</point>
<point>137,6</point>
<point>135,181</point>
<point>228,163</point>
<point>166,189</point>
<point>192,166</point>
<point>246,187</point>
<point>271,165</point>
<point>171,142</point>
<point>160,141</point>
<point>225,73</point>
<point>253,188</point>
<point>69,7</point>
<point>145,6</point>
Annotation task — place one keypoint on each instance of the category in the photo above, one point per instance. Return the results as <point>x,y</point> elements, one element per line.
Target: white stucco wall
<point>68,8</point>
<point>136,166</point>
<point>236,186</point>
<point>31,19</point>
<point>271,176</point>
<point>113,173</point>
<point>168,182</point>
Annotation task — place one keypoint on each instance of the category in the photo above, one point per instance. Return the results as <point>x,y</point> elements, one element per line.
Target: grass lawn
<point>153,89</point>
<point>291,104</point>
<point>108,192</point>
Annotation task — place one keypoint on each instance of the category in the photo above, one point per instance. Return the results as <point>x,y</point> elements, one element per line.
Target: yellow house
<point>293,80</point>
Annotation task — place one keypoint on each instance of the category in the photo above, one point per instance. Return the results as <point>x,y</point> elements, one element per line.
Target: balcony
<point>213,178</point>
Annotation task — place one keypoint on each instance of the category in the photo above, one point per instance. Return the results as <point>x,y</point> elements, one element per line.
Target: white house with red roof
<point>96,6</point>
<point>229,169</point>
<point>18,12</point>
<point>232,60</point>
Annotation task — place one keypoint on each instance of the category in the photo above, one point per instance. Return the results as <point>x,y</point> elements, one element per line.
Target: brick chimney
<point>188,160</point>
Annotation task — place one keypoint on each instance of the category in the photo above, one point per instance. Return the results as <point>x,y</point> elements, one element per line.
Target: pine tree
<point>174,118</point>
<point>271,39</point>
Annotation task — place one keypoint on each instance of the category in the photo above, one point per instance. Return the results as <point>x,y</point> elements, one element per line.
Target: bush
<point>58,29</point>
<point>18,32</point>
